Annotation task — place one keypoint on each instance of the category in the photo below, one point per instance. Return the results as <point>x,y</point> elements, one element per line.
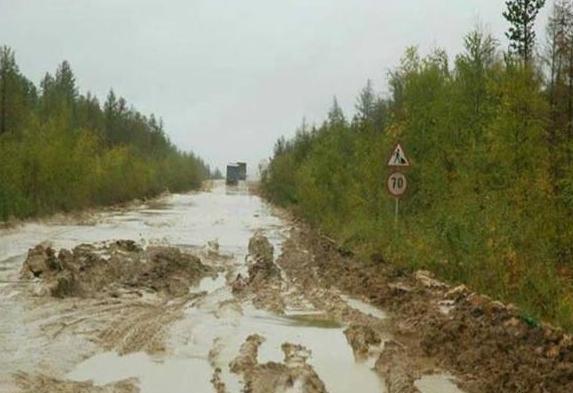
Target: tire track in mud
<point>143,327</point>
<point>125,326</point>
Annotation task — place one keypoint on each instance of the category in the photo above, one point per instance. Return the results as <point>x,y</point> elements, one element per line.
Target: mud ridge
<point>217,381</point>
<point>393,365</point>
<point>362,339</point>
<point>95,271</point>
<point>263,285</point>
<point>293,374</point>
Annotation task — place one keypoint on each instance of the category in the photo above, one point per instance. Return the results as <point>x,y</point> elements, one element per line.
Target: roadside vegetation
<point>490,139</point>
<point>61,150</point>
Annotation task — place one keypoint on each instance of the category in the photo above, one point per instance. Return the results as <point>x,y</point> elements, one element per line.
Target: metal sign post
<point>396,212</point>
<point>397,183</point>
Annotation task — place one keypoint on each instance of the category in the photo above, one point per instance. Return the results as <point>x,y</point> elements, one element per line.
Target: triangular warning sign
<point>398,157</point>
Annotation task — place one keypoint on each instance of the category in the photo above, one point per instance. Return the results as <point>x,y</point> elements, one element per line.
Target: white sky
<point>230,77</point>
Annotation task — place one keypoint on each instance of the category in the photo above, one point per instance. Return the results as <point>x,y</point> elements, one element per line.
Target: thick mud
<point>42,383</point>
<point>489,346</point>
<point>111,269</point>
<point>293,374</point>
<point>218,292</point>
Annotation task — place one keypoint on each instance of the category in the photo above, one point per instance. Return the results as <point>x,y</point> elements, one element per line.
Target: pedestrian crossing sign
<point>398,157</point>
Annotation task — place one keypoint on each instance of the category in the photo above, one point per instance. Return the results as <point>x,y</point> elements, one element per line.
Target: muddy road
<point>217,291</point>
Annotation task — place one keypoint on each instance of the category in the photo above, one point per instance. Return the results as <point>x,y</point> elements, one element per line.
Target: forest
<point>489,134</point>
<point>61,150</point>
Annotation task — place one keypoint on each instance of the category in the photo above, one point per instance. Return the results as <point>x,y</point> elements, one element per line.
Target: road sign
<point>398,157</point>
<point>397,184</point>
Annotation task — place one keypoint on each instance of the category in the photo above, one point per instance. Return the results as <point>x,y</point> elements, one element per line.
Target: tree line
<point>490,138</point>
<point>61,150</point>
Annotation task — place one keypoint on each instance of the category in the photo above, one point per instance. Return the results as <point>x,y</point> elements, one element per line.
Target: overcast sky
<point>230,77</point>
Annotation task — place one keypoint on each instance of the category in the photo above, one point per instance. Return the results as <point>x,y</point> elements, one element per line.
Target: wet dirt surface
<point>90,307</point>
<point>218,292</point>
<point>435,328</point>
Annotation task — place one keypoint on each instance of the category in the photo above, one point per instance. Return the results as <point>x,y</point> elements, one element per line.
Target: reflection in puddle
<point>332,357</point>
<point>170,375</point>
<point>311,320</point>
<point>210,284</point>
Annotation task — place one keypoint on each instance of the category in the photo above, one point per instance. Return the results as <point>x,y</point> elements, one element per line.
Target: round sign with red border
<point>397,184</point>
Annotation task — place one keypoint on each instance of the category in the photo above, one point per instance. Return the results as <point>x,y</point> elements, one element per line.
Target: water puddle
<point>154,375</point>
<point>437,384</point>
<point>331,357</point>
<point>210,284</point>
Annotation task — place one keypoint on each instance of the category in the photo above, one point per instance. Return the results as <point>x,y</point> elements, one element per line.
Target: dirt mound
<point>262,266</point>
<point>361,338</point>
<point>44,384</point>
<point>93,271</point>
<point>393,366</point>
<point>217,381</point>
<point>261,248</point>
<point>263,284</point>
<point>171,271</point>
<point>247,358</point>
<point>518,354</point>
<point>272,377</point>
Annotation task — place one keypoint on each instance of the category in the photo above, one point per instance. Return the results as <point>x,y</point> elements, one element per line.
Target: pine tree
<point>366,102</point>
<point>473,68</point>
<point>521,15</point>
<point>66,83</point>
<point>17,94</point>
<point>8,69</point>
<point>335,114</point>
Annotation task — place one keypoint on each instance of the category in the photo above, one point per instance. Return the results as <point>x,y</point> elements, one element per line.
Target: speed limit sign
<point>397,184</point>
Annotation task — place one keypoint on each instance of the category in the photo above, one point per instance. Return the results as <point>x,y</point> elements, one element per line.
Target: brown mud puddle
<point>217,313</point>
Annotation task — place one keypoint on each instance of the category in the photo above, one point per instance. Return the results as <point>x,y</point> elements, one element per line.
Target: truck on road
<point>233,174</point>
<point>236,171</point>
